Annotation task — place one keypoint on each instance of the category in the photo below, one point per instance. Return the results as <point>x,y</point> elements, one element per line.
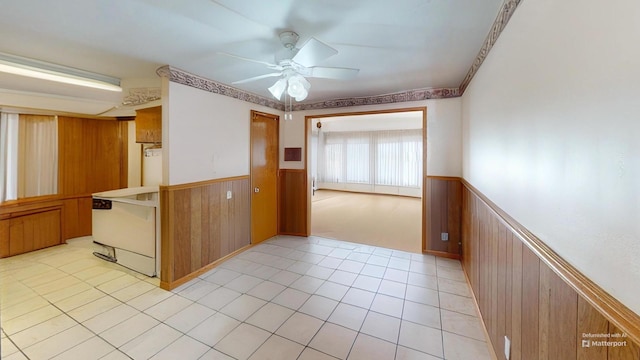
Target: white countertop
<point>126,192</point>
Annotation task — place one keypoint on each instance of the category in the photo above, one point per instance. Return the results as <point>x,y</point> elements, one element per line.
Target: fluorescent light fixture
<point>18,65</point>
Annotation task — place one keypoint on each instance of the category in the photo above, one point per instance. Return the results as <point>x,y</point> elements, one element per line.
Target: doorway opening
<point>367,174</point>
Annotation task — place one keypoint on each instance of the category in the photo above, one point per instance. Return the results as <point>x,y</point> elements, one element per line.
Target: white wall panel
<point>551,129</point>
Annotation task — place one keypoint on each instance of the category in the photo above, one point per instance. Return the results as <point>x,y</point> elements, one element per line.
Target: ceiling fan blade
<point>313,52</point>
<point>267,64</point>
<point>333,73</point>
<point>257,78</point>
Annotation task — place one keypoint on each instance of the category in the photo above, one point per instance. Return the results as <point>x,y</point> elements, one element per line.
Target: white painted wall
<point>205,136</point>
<point>551,129</point>
<point>443,133</point>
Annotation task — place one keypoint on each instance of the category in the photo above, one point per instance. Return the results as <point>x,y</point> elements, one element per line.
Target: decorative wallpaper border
<point>403,96</point>
<point>506,11</point>
<point>185,78</point>
<point>182,77</point>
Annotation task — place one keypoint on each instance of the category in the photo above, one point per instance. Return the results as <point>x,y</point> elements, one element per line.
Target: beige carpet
<point>380,220</point>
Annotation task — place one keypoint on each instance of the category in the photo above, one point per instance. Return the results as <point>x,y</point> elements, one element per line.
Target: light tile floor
<point>288,298</point>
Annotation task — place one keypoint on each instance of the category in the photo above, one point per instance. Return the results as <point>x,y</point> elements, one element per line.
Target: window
<point>389,158</point>
<point>29,156</point>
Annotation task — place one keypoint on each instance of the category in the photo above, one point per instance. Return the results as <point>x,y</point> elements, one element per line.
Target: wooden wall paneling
<point>508,284</point>
<point>182,233</point>
<point>215,230</point>
<point>530,298</point>
<point>167,223</point>
<point>494,277</point>
<point>544,304</point>
<point>231,206</point>
<point>195,231</point>
<point>200,226</point>
<point>292,204</point>
<point>34,231</point>
<point>485,270</point>
<point>123,133</point>
<point>107,147</point>
<point>4,238</point>
<point>482,263</point>
<point>454,215</point>
<point>70,215</point>
<point>226,245</point>
<point>516,298</point>
<point>501,295</point>
<point>242,201</point>
<point>85,211</point>
<point>204,252</point>
<point>590,321</point>
<point>521,296</point>
<point>466,234</point>
<point>475,232</point>
<point>20,238</point>
<point>563,319</point>
<point>437,208</point>
<point>91,155</point>
<point>71,156</point>
<point>629,351</point>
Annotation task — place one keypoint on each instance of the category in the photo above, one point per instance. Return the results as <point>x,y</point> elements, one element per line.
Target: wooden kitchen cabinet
<point>149,125</point>
<point>32,232</point>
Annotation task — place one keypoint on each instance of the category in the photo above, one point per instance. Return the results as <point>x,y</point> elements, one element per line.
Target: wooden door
<point>264,176</point>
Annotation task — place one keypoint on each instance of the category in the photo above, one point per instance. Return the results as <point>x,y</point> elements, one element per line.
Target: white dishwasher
<point>126,222</point>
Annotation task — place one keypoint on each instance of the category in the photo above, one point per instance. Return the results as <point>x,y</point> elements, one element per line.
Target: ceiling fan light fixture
<point>278,88</point>
<point>298,87</point>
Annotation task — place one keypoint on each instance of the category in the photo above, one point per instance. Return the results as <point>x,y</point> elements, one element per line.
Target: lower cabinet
<point>30,232</point>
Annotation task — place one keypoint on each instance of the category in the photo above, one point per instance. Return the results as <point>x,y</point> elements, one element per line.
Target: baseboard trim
<point>166,285</point>
<point>442,254</point>
<point>612,309</point>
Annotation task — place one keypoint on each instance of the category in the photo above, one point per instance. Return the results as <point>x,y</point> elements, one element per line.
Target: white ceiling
<point>397,45</point>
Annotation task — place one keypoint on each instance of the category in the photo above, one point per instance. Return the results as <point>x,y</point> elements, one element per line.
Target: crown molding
<point>182,77</point>
<point>188,79</point>
<point>506,11</point>
<point>399,97</point>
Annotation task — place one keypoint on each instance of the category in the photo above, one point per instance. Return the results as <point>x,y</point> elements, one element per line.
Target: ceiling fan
<point>293,65</point>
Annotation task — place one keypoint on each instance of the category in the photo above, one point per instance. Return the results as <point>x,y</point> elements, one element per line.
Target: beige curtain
<point>8,156</point>
<point>37,155</point>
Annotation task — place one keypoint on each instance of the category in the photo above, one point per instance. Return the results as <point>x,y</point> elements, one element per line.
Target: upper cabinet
<point>149,125</point>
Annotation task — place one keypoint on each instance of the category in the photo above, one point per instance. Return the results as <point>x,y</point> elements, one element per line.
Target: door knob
<point>256,189</point>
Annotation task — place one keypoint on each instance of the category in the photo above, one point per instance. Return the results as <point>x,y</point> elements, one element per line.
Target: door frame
<point>277,119</point>
<point>307,132</point>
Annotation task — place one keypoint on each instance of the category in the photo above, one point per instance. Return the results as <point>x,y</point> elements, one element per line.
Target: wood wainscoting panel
<point>200,225</point>
<point>4,238</point>
<point>292,204</point>
<point>76,215</point>
<point>523,297</point>
<point>34,231</point>
<point>70,216</point>
<point>590,321</point>
<point>91,155</point>
<point>443,213</point>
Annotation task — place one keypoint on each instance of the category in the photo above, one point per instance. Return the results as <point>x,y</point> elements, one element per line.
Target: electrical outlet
<point>444,236</point>
<point>229,194</point>
<point>507,348</point>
